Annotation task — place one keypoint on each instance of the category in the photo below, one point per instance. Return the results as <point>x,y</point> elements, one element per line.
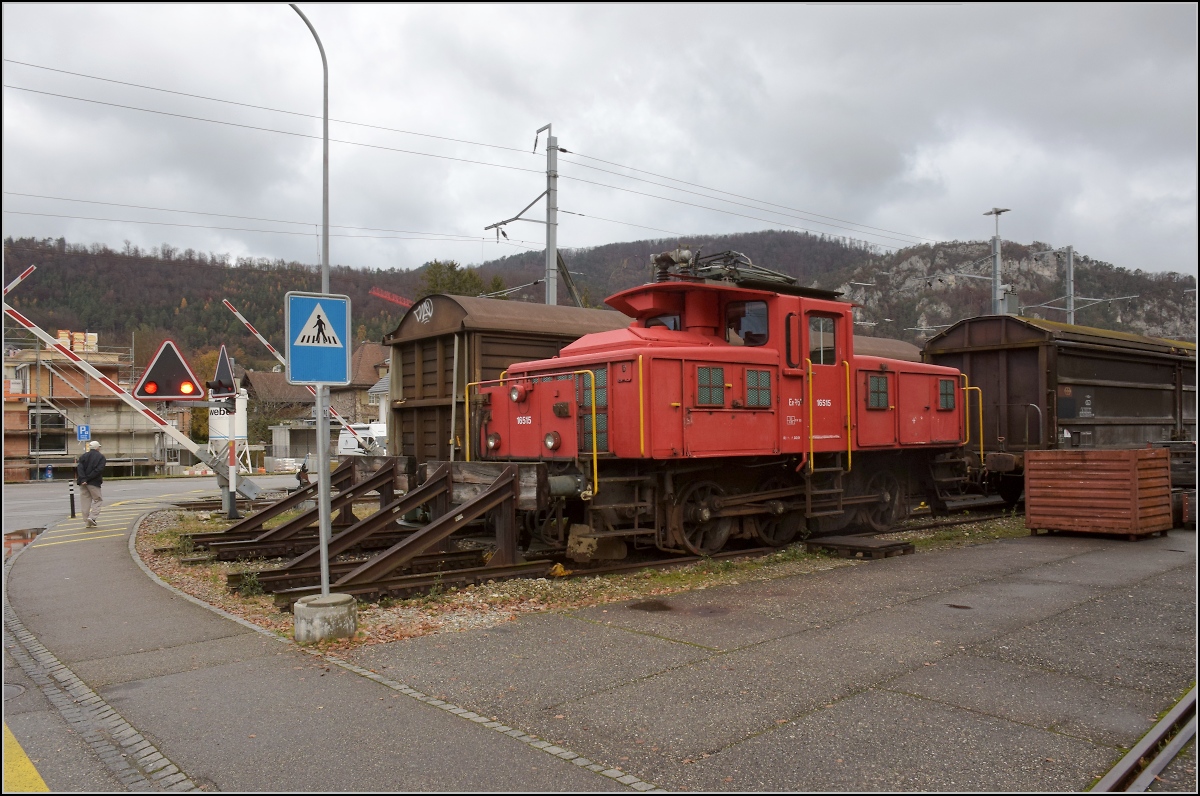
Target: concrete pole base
<point>322,617</point>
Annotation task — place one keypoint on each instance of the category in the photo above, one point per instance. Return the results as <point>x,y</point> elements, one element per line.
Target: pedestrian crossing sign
<point>318,335</point>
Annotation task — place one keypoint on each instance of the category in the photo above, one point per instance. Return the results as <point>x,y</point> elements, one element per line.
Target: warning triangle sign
<point>222,385</point>
<point>168,377</point>
<point>317,331</point>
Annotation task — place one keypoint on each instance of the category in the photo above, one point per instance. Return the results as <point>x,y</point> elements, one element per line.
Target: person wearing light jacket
<point>89,473</point>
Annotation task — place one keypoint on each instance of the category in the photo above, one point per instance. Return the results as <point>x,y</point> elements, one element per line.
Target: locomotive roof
<point>744,289</point>
<point>960,336</point>
<point>444,314</point>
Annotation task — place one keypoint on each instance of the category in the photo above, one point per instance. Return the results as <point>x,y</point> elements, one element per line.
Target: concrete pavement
<point>1019,665</point>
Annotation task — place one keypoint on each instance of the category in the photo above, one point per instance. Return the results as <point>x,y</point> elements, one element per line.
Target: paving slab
<point>997,558</point>
<point>1098,640</point>
<point>527,667</point>
<point>1073,706</point>
<point>1117,565</point>
<point>101,672</point>
<point>880,741</point>
<point>264,724</point>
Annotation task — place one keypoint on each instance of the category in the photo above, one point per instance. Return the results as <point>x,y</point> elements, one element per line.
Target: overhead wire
<point>865,229</point>
<point>250,218</point>
<point>730,193</point>
<point>273,130</point>
<point>265,108</point>
<point>461,239</point>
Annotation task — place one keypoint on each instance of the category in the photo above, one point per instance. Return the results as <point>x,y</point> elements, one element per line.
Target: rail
<point>1134,772</point>
<point>592,390</point>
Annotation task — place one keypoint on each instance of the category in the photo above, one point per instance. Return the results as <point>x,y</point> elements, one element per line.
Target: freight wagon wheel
<point>776,530</point>
<point>881,516</point>
<point>702,533</point>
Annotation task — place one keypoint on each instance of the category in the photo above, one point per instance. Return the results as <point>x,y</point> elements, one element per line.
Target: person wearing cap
<point>89,474</point>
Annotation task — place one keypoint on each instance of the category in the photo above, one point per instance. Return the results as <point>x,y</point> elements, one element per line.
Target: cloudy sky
<point>891,125</point>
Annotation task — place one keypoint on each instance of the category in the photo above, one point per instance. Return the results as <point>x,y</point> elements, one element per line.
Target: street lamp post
<point>997,296</point>
<point>323,481</point>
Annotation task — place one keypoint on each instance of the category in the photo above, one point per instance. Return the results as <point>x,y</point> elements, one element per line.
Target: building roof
<point>364,361</point>
<point>381,387</point>
<point>265,385</point>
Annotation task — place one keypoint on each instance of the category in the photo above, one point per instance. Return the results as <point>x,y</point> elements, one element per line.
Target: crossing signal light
<point>168,378</point>
<point>222,385</point>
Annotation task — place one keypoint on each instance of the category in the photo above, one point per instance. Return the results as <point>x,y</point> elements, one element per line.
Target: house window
<point>373,398</point>
<point>54,433</point>
<point>758,389</point>
<point>822,341</point>
<point>877,392</point>
<point>710,386</point>
<point>946,394</point>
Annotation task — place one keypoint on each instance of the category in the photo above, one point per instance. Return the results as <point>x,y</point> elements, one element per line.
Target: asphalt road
<point>38,504</point>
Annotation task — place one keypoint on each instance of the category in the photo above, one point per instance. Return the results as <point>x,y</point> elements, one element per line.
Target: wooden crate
<point>1126,492</point>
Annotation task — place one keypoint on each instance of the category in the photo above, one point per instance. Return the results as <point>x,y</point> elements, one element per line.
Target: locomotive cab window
<point>746,322</point>
<point>946,389</point>
<point>877,392</point>
<point>666,321</point>
<point>822,340</point>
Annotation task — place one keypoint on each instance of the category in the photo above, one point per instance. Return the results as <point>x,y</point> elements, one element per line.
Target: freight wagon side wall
<point>1111,393</point>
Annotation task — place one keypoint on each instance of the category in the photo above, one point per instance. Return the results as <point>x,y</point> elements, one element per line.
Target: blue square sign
<point>318,338</point>
<point>83,433</point>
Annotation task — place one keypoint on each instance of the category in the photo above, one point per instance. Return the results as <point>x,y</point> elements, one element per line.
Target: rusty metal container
<point>445,342</point>
<point>1126,492</point>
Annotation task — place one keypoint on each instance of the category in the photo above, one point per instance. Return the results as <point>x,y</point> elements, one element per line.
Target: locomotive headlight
<point>493,441</point>
<point>517,393</point>
<point>553,440</point>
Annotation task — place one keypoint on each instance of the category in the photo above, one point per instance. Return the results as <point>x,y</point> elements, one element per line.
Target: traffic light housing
<point>168,378</point>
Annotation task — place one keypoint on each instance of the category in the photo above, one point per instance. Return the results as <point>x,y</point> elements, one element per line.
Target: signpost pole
<point>323,485</point>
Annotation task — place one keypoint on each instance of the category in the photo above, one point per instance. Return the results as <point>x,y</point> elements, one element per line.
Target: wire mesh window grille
<point>945,394</point>
<point>758,389</point>
<point>710,386</point>
<point>877,392</point>
<point>584,391</point>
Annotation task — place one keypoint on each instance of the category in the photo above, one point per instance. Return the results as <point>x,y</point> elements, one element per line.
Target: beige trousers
<point>91,501</point>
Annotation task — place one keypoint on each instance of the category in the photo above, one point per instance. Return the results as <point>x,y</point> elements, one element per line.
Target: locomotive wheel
<point>701,533</point>
<point>1010,489</point>
<point>776,530</point>
<point>881,516</point>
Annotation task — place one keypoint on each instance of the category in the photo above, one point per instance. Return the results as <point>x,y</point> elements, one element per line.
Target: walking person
<point>89,473</point>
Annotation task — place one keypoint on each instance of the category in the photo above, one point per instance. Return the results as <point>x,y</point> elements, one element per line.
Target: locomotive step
<point>827,470</point>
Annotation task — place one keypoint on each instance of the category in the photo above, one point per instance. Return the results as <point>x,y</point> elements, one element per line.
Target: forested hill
<point>148,296</point>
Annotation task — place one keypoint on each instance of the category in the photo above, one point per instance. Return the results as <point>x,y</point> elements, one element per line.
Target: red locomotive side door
<point>664,410</point>
<point>826,351</point>
<point>915,408</point>
<point>793,414</point>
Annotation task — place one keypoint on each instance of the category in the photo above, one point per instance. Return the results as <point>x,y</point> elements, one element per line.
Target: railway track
<point>1137,770</point>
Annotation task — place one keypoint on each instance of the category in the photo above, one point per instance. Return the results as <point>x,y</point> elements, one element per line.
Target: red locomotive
<point>733,406</point>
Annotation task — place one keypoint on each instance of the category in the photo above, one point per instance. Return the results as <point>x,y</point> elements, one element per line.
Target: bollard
<point>72,498</point>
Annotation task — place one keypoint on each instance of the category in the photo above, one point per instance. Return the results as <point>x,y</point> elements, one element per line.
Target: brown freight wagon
<point>445,342</point>
<point>1056,386</point>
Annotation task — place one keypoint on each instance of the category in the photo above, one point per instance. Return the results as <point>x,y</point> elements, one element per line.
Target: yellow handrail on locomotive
<point>849,406</point>
<point>808,364</point>
<point>595,449</point>
<point>641,411</point>
<point>966,388</point>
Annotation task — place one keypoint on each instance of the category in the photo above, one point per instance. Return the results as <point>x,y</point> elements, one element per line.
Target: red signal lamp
<point>187,388</point>
<point>150,387</point>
